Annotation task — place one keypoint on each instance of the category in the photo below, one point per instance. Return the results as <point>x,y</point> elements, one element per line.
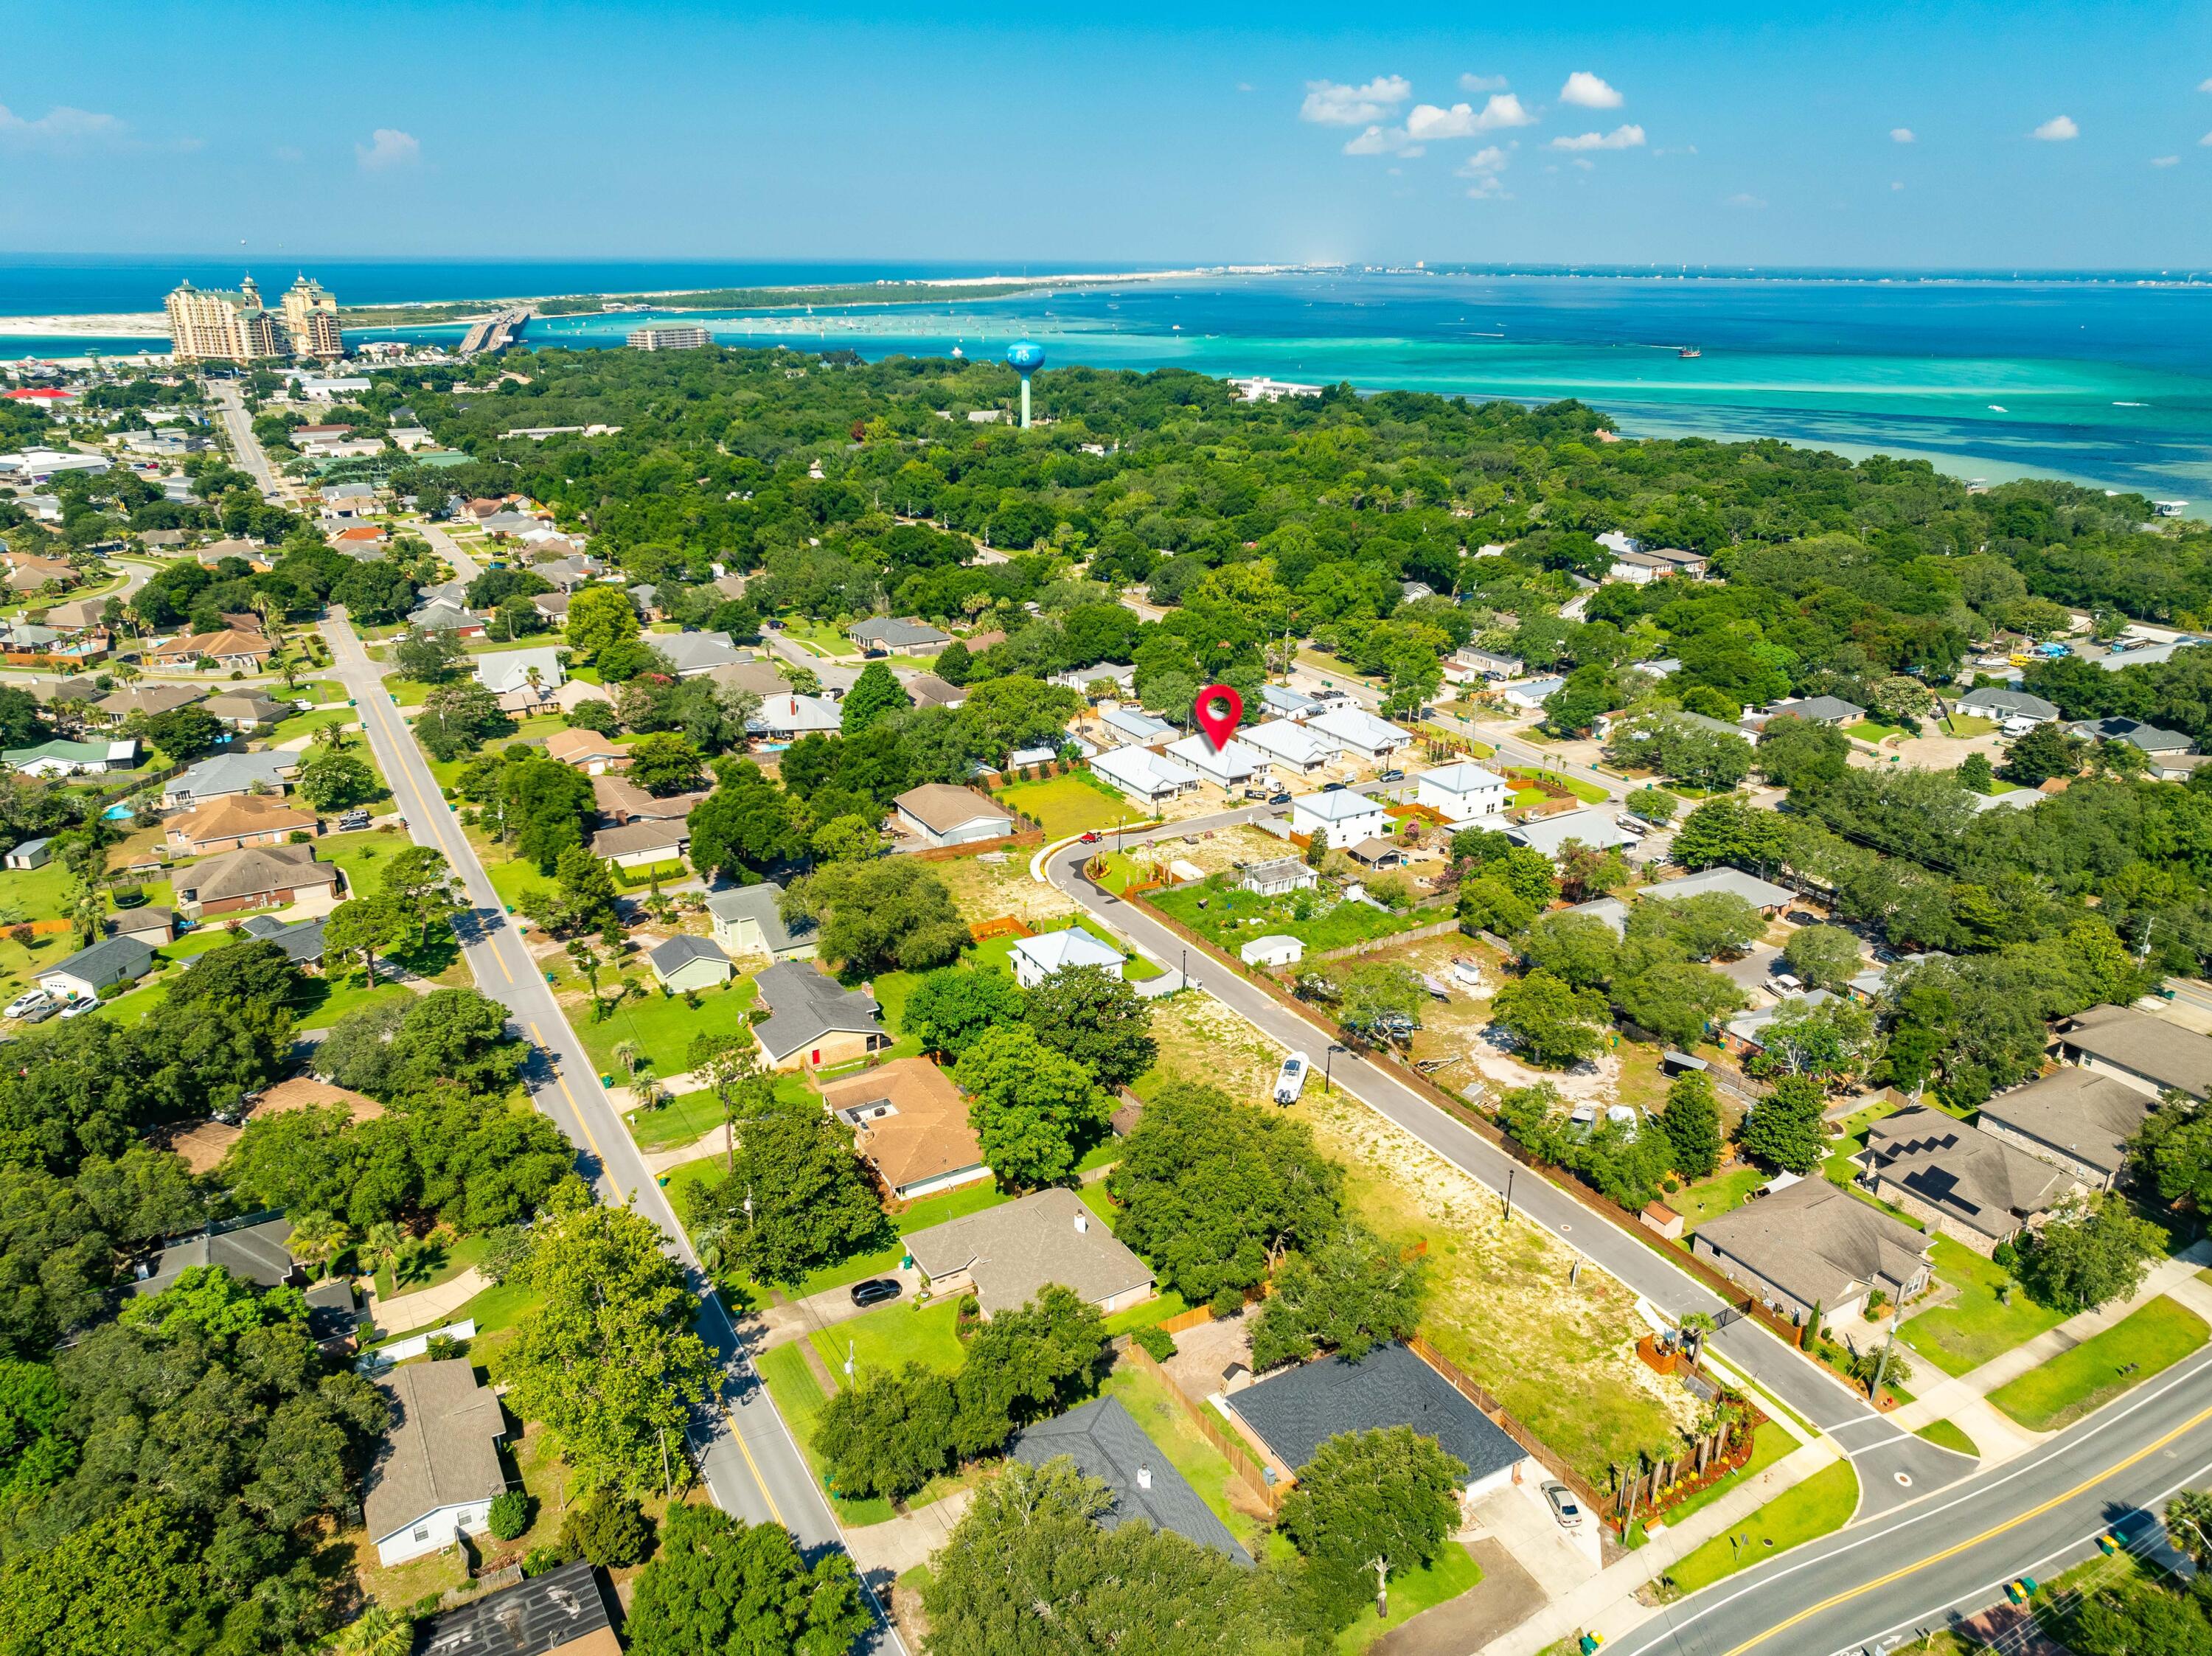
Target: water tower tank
<point>1025,355</point>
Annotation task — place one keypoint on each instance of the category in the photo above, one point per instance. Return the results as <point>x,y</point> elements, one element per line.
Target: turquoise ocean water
<point>2107,382</point>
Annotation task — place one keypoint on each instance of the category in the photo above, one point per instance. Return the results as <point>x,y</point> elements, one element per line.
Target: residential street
<point>753,1466</point>
<point>1893,1466</point>
<point>1949,1557</point>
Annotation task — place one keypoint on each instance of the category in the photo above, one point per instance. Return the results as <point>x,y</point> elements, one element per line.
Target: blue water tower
<point>1025,357</point>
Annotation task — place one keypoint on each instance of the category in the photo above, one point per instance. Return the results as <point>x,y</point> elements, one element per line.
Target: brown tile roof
<point>622,799</point>
<point>925,1135</point>
<point>228,642</point>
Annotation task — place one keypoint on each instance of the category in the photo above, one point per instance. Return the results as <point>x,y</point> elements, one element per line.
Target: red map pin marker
<point>1219,710</point>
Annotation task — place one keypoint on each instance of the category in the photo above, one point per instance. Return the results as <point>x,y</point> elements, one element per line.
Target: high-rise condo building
<point>209,325</point>
<point>311,318</point>
<point>669,337</point>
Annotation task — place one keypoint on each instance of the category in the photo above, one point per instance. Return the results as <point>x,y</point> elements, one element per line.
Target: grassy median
<point>2103,1367</point>
<point>1823,1502</point>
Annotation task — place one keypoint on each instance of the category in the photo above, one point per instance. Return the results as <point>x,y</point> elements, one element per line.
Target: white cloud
<point>1484,167</point>
<point>1482,83</point>
<point>1584,164</point>
<point>1740,199</point>
<point>290,153</point>
<point>2057,129</point>
<point>2205,85</point>
<point>2205,143</point>
<point>1330,104</point>
<point>1381,141</point>
<point>2166,160</point>
<point>1426,121</point>
<point>61,130</point>
<point>1621,137</point>
<point>1586,91</point>
<point>1243,86</point>
<point>1902,134</point>
<point>1896,183</point>
<point>389,147</point>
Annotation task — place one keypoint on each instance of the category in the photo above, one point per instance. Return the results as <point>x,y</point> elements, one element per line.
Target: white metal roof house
<point>1463,793</point>
<point>1762,894</point>
<point>1036,959</point>
<point>1591,828</point>
<point>1143,773</point>
<point>1136,725</point>
<point>1530,694</point>
<point>1342,819</point>
<point>1356,731</point>
<point>1281,874</point>
<point>1238,762</point>
<point>786,718</point>
<point>1294,746</point>
<point>522,679</point>
<point>1284,702</point>
<point>1279,949</point>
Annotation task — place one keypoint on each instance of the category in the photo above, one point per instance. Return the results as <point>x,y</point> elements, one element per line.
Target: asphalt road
<point>1894,1465</point>
<point>1866,1587</point>
<point>244,446</point>
<point>752,1465</point>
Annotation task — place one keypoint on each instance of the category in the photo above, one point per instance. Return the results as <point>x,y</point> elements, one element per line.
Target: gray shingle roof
<point>1971,1177</point>
<point>2077,1113</point>
<point>806,1003</point>
<point>1011,1252</point>
<point>1105,1442</point>
<point>680,951</point>
<point>758,903</point>
<point>257,1253</point>
<point>302,941</point>
<point>896,634</point>
<point>695,652</point>
<point>440,1450</point>
<point>1294,1413</point>
<point>543,1616</point>
<point>111,960</point>
<point>1818,1243</point>
<point>235,773</point>
<point>2161,1052</point>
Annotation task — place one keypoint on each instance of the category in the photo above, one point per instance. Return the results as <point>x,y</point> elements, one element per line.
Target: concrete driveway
<point>1520,1518</point>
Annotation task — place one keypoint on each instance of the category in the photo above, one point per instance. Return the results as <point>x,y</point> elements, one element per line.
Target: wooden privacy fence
<point>1006,925</point>
<point>1248,1471</point>
<point>1376,945</point>
<point>977,847</point>
<point>1732,1293</point>
<point>1502,1418</point>
<point>1197,1317</point>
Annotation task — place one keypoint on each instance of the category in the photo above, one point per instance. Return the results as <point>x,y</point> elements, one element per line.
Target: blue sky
<point>1872,136</point>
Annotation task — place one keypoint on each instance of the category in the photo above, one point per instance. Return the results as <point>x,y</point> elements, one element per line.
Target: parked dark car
<point>876,1290</point>
<point>1282,798</point>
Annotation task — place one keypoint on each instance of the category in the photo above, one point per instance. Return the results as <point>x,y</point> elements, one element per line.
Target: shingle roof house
<point>694,654</point>
<point>2135,733</point>
<point>254,1249</point>
<point>910,1124</point>
<point>879,634</point>
<point>2149,1053</point>
<point>2074,1118</point>
<point>118,959</point>
<point>438,1473</point>
<point>1814,1243</point>
<point>750,921</point>
<point>807,1008</point>
<point>225,773</point>
<point>1106,1443</point>
<point>1972,1185</point>
<point>686,962</point>
<point>946,816</point>
<point>1734,882</point>
<point>1296,1412</point>
<point>258,877</point>
<point>1008,1254</point>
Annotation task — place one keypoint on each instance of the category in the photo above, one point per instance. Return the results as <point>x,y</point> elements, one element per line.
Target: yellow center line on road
<point>752,1465</point>
<point>621,1198</point>
<point>1989,1534</point>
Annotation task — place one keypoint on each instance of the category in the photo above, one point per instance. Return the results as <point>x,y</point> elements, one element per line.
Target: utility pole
<point>1508,1214</point>
<point>1880,1368</point>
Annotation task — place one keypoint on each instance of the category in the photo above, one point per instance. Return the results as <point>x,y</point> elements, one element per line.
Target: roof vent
<point>1144,1477</point>
<point>1081,1222</point>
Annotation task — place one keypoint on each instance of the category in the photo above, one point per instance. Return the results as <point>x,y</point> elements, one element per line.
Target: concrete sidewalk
<point>1607,1602</point>
<point>431,1305</point>
<point>1962,1398</point>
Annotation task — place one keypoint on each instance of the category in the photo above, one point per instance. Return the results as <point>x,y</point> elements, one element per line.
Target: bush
<point>611,1530</point>
<point>538,1561</point>
<point>1159,1345</point>
<point>510,1514</point>
<point>445,1346</point>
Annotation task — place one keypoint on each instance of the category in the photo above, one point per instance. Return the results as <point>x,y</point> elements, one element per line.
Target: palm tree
<point>319,1237</point>
<point>378,1633</point>
<point>2189,1517</point>
<point>332,736</point>
<point>380,1247</point>
<point>630,1056</point>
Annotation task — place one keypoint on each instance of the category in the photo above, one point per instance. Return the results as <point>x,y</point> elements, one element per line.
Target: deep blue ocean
<point>2107,382</point>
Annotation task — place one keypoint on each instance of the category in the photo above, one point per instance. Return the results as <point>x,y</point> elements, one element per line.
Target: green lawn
<point>2101,1368</point>
<point>1710,1197</point>
<point>1945,1435</point>
<point>1768,1445</point>
<point>427,1263</point>
<point>1874,730</point>
<point>1073,804</point>
<point>298,725</point>
<point>510,878</point>
<point>1589,793</point>
<point>1973,1327</point>
<point>362,854</point>
<point>1821,1503</point>
<point>1964,725</point>
<point>800,1399</point>
<point>664,1025</point>
<point>1841,1167</point>
<point>1190,1453</point>
<point>887,1338</point>
<point>406,692</point>
<point>996,954</point>
<point>1233,917</point>
<point>1454,1572</point>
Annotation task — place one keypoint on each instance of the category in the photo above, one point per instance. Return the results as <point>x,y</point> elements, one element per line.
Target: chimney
<point>1144,1477</point>
<point>1081,1221</point>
